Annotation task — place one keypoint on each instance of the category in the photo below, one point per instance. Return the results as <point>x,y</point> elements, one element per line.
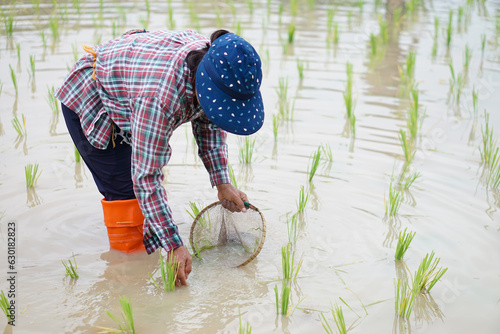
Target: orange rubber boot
<point>124,221</point>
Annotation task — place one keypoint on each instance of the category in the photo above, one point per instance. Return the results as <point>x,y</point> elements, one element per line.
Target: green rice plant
<point>52,101</point>
<point>407,75</point>
<point>71,267</point>
<point>44,41</point>
<point>283,302</point>
<point>126,323</point>
<point>54,27</point>
<point>483,45</point>
<point>195,210</point>
<point>413,114</point>
<point>475,100</point>
<point>294,7</point>
<point>436,27</point>
<point>494,176</point>
<point>315,159</point>
<point>460,15</point>
<point>8,22</point>
<point>449,29</point>
<point>489,149</point>
<point>467,57</point>
<point>405,298</point>
<point>349,101</point>
<point>330,14</point>
<point>373,45</point>
<point>290,271</point>
<point>383,29</point>
<point>292,224</point>
<point>247,329</point>
<point>300,69</point>
<point>407,146</point>
<point>31,174</point>
<point>78,157</point>
<point>171,21</point>
<point>291,32</point>
<point>20,129</point>
<point>168,272</point>
<point>13,77</point>
<point>328,154</point>
<point>18,51</point>
<point>408,180</point>
<point>457,82</point>
<point>275,126</point>
<point>393,203</point>
<point>148,7</point>
<point>427,274</point>
<point>404,241</point>
<point>246,149</point>
<point>338,317</point>
<point>285,108</point>
<point>32,66</point>
<point>335,34</point>
<point>232,176</point>
<point>303,199</point>
<point>5,306</point>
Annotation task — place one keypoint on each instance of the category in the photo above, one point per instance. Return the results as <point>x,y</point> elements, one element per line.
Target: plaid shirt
<point>145,87</point>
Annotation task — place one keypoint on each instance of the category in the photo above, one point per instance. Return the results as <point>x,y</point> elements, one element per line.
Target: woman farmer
<point>123,100</point>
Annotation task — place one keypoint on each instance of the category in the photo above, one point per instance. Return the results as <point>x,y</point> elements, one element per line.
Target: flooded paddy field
<point>420,75</point>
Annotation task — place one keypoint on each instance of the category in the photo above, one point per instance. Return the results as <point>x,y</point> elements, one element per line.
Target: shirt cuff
<point>152,242</point>
<point>219,176</point>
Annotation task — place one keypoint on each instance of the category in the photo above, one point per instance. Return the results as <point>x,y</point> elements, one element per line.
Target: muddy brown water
<point>347,245</point>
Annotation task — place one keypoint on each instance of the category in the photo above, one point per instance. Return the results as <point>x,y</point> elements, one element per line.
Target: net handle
<point>248,205</point>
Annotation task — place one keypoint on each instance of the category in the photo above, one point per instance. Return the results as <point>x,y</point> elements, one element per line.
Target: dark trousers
<point>110,168</point>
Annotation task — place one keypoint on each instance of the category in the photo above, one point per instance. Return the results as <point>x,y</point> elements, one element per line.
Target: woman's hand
<point>231,198</point>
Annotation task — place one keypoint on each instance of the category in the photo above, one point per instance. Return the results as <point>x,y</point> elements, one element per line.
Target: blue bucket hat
<point>227,84</point>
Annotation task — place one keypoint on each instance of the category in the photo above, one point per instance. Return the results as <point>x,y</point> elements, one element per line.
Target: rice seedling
<point>330,14</point>
<point>20,129</point>
<point>291,33</point>
<point>44,41</point>
<point>71,267</point>
<point>303,198</point>
<point>13,77</point>
<point>460,15</point>
<point>168,272</point>
<point>282,304</point>
<point>428,274</point>
<point>383,29</point>
<point>336,35</point>
<point>294,7</point>
<point>32,66</point>
<point>393,204</point>
<point>436,27</point>
<point>407,75</point>
<point>405,298</point>
<point>404,241</point>
<point>449,29</point>
<point>54,27</point>
<point>247,329</point>
<point>275,126</point>
<point>246,148</point>
<point>373,45</point>
<point>488,150</point>
<point>300,69</point>
<point>349,101</point>
<point>8,22</point>
<point>408,180</point>
<point>457,81</point>
<point>467,57</point>
<point>126,323</point>
<point>407,146</point>
<point>5,306</point>
<point>18,51</point>
<point>31,174</point>
<point>483,45</point>
<point>328,154</point>
<point>475,100</point>
<point>494,177</point>
<point>413,114</point>
<point>78,157</point>
<point>292,221</point>
<point>232,176</point>
<point>171,21</point>
<point>285,109</point>
<point>52,101</point>
<point>313,168</point>
<point>338,317</point>
<point>195,210</point>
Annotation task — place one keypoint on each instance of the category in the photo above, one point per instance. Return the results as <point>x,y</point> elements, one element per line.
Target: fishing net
<point>234,238</point>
